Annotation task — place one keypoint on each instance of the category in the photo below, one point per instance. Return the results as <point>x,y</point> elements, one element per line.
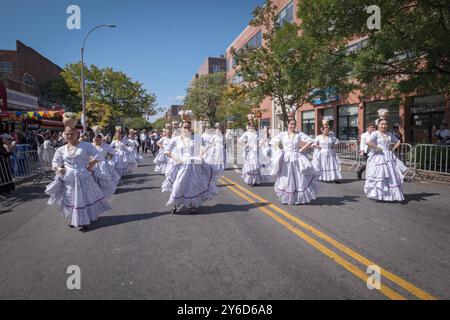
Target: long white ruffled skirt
<point>79,197</point>
<point>384,177</point>
<point>190,184</point>
<point>296,181</point>
<point>328,164</point>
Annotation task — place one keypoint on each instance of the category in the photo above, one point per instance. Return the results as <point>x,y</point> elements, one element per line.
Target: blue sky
<point>159,43</point>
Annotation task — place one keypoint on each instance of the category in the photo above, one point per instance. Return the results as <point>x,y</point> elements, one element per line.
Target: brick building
<point>172,113</point>
<point>212,65</point>
<point>23,74</point>
<point>416,116</point>
<point>26,72</point>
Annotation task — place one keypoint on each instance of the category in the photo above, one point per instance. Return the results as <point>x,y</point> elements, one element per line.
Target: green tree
<point>137,123</point>
<point>410,53</point>
<point>289,67</point>
<point>99,114</point>
<point>236,104</point>
<point>205,95</point>
<point>159,124</point>
<point>57,90</point>
<point>112,88</point>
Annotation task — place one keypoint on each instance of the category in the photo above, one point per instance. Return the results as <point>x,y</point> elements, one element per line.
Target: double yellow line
<point>298,227</point>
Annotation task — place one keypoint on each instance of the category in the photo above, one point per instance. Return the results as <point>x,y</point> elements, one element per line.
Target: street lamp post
<point>83,86</point>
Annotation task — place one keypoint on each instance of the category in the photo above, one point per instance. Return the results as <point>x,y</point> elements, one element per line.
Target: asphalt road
<point>241,245</point>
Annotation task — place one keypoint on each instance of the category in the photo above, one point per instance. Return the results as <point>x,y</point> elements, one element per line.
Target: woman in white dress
<point>105,173</point>
<point>124,162</point>
<point>161,160</point>
<point>48,151</point>
<point>214,152</point>
<point>296,177</point>
<point>191,181</point>
<point>325,159</point>
<point>74,189</point>
<point>251,171</point>
<point>385,172</point>
<point>133,146</point>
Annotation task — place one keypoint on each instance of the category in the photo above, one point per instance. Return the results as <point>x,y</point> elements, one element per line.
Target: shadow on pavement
<point>137,175</point>
<point>20,195</point>
<point>418,197</point>
<point>126,190</point>
<point>222,208</point>
<point>109,221</point>
<point>334,201</point>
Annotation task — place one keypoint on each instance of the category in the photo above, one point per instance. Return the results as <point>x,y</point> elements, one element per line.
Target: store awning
<point>45,124</point>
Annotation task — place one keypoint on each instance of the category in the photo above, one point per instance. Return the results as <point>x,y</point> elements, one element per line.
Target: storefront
<point>371,112</point>
<point>18,101</point>
<point>427,114</point>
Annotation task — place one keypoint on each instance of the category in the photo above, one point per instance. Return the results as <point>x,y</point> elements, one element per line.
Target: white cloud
<point>177,98</point>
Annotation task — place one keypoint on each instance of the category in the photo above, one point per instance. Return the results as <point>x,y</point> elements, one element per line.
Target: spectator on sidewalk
<point>443,135</point>
<point>6,182</point>
<point>143,143</point>
<point>364,149</point>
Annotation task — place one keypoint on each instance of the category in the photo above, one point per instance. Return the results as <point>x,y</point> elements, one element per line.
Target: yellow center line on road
<point>386,274</point>
<point>388,292</point>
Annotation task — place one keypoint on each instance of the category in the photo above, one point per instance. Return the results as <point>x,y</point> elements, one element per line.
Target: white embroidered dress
<point>161,160</point>
<point>385,172</point>
<point>215,152</point>
<point>296,177</point>
<point>325,159</point>
<point>80,198</point>
<point>191,180</point>
<point>251,171</point>
<point>124,161</point>
<point>105,173</point>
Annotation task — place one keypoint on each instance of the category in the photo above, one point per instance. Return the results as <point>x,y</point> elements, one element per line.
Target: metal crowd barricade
<point>28,164</point>
<point>431,158</point>
<point>348,151</point>
<point>5,171</point>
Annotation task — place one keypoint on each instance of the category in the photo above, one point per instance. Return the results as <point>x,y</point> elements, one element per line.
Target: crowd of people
<point>88,170</point>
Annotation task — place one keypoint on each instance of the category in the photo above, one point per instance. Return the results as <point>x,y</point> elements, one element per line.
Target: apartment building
<point>415,116</point>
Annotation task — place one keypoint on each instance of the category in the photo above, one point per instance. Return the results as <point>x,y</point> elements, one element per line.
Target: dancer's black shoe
<point>174,210</point>
<point>84,228</point>
<point>359,175</point>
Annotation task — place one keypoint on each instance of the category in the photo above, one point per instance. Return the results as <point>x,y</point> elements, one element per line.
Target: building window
<point>308,122</point>
<point>348,122</point>
<point>6,68</point>
<point>357,46</point>
<point>371,112</point>
<point>216,68</point>
<point>255,41</point>
<point>286,15</point>
<point>237,79</point>
<point>328,114</point>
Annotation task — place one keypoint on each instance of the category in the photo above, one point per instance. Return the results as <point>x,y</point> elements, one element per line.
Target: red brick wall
<point>27,60</point>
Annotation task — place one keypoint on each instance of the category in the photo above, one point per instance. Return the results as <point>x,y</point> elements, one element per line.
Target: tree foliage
<point>57,90</point>
<point>159,124</point>
<point>410,53</point>
<point>236,104</point>
<point>112,88</point>
<point>137,123</point>
<point>288,67</point>
<point>205,95</point>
